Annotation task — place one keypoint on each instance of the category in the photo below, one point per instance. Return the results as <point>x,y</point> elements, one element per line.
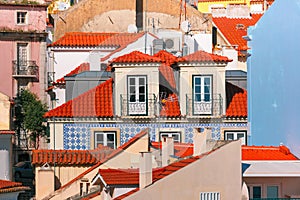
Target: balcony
<point>210,105</point>
<point>25,70</point>
<point>138,107</point>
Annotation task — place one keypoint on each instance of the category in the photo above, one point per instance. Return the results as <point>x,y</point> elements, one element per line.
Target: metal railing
<point>147,107</point>
<point>26,68</point>
<point>212,106</point>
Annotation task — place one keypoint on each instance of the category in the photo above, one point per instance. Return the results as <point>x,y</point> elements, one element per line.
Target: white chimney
<point>145,175</point>
<point>167,150</point>
<point>200,138</point>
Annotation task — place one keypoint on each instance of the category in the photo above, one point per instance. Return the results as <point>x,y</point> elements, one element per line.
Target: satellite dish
<point>132,28</point>
<point>185,26</point>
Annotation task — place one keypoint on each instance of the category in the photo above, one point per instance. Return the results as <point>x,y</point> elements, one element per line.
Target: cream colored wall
<point>186,82</point>
<point>121,74</point>
<point>57,129</point>
<point>287,185</point>
<point>212,173</point>
<point>5,112</point>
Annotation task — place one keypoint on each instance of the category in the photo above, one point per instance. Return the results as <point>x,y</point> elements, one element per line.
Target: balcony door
<point>137,95</point>
<point>202,95</point>
<point>22,54</point>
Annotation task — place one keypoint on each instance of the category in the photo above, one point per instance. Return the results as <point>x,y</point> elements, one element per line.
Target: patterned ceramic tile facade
<point>78,136</point>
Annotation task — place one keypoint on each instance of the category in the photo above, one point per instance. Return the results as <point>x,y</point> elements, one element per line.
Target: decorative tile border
<point>77,136</point>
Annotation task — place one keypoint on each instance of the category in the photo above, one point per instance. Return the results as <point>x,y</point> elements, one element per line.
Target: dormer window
<point>21,17</point>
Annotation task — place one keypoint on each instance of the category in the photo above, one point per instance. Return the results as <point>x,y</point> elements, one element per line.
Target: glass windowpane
<point>198,97</point>
<point>141,89</point>
<point>141,81</point>
<point>197,89</point>
<point>132,81</point>
<point>229,136</point>
<point>272,192</point>
<point>197,81</point>
<point>207,97</point>
<point>256,192</point>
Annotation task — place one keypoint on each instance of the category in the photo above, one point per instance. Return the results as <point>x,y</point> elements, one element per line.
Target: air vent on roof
<point>158,44</point>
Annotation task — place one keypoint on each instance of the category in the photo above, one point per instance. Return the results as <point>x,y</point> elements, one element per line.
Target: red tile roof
<point>113,154</point>
<point>267,153</point>
<point>234,29</point>
<point>9,186</point>
<point>236,99</point>
<point>7,132</point>
<point>81,39</point>
<point>135,57</point>
<point>202,56</point>
<point>81,68</point>
<point>181,150</point>
<point>166,57</point>
<point>170,106</point>
<point>70,157</point>
<point>97,102</point>
<point>131,176</point>
<point>167,78</point>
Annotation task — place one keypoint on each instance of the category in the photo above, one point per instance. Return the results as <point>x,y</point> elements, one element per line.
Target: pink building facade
<point>23,47</point>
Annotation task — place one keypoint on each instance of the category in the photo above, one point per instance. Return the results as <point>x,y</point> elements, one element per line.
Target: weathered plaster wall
<point>113,15</point>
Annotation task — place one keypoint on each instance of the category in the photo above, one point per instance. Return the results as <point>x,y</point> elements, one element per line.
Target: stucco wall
<point>109,15</point>
<point>204,175</point>
<point>5,112</point>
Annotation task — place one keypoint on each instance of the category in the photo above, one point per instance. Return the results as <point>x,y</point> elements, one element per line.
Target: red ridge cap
<point>202,56</point>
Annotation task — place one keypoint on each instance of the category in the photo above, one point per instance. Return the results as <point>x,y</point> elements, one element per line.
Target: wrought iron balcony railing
<point>208,105</point>
<point>138,107</point>
<point>25,69</point>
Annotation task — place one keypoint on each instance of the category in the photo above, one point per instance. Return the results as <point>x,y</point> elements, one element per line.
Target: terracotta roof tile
<point>136,57</point>
<point>81,68</point>
<point>267,153</point>
<point>236,99</point>
<point>10,186</point>
<point>202,56</point>
<point>234,29</point>
<point>131,176</point>
<point>7,132</point>
<point>96,102</point>
<point>70,157</point>
<point>166,57</point>
<point>81,39</point>
<point>170,106</point>
<point>166,77</point>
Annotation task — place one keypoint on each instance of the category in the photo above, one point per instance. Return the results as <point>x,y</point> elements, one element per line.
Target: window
<point>255,191</point>
<point>202,96</point>
<point>236,135</point>
<point>272,191</point>
<point>137,95</point>
<point>21,17</point>
<point>176,135</point>
<point>105,139</point>
<point>210,196</point>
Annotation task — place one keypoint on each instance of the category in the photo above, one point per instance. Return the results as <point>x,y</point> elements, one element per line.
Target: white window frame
<point>202,106</point>
<point>235,135</point>
<point>137,106</point>
<point>21,17</point>
<point>170,134</point>
<point>210,196</point>
<point>105,141</point>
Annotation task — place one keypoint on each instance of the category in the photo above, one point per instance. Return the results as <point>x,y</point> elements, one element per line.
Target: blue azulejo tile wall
<point>78,136</point>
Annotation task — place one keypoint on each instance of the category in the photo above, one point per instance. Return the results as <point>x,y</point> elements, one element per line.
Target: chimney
<point>167,150</point>
<point>145,176</point>
<point>44,188</point>
<point>200,138</point>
